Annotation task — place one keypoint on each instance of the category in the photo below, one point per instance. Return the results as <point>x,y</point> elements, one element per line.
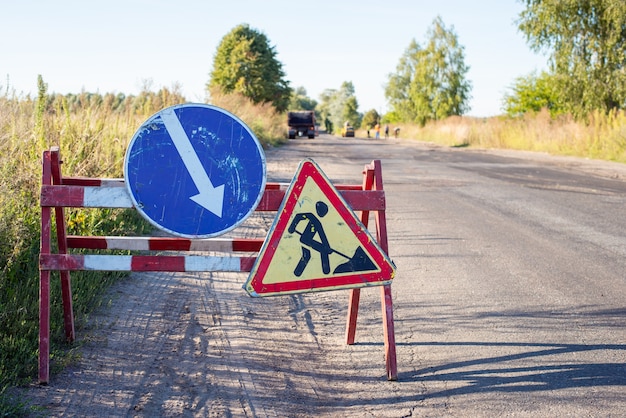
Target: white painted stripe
<point>128,243</point>
<point>108,262</point>
<point>210,197</point>
<point>207,263</point>
<point>219,245</point>
<point>106,197</point>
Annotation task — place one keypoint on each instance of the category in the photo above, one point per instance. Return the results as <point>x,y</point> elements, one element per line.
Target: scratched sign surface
<point>195,170</point>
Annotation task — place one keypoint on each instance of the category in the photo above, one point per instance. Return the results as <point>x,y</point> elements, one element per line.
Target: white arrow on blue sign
<point>195,170</point>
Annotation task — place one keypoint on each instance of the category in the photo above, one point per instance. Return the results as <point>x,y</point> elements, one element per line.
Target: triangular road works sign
<point>317,243</point>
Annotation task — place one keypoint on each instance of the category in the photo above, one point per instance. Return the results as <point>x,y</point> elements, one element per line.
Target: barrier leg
<point>355,294</point>
<point>353,311</point>
<point>59,217</point>
<point>44,282</point>
<point>385,292</point>
<point>388,329</point>
<point>68,313</point>
<point>44,326</point>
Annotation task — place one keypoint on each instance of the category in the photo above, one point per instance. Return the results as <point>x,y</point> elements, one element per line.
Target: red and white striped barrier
<point>58,192</point>
<point>166,244</point>
<point>75,262</point>
<point>105,193</point>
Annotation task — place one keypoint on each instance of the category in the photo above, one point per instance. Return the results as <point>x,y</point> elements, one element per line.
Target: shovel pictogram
<point>313,237</point>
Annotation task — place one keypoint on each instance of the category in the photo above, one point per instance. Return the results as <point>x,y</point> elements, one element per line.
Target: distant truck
<point>301,124</point>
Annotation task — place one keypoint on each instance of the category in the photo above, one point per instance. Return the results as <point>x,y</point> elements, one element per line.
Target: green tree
<point>532,93</point>
<point>398,86</point>
<point>430,83</point>
<point>350,112</point>
<point>300,101</point>
<point>340,106</point>
<point>586,41</point>
<point>324,109</point>
<point>370,119</point>
<point>245,63</point>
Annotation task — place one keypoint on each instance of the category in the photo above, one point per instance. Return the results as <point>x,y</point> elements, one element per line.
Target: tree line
<point>142,103</point>
<point>585,42</point>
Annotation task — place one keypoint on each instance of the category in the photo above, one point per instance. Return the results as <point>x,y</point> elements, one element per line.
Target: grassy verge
<point>600,137</point>
<point>268,125</point>
<point>92,131</point>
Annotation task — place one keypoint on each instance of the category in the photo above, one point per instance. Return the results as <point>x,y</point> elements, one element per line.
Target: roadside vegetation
<point>92,131</point>
<point>576,108</point>
<point>266,122</point>
<point>599,136</point>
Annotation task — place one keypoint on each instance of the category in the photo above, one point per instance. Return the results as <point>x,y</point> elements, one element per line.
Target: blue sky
<point>120,45</point>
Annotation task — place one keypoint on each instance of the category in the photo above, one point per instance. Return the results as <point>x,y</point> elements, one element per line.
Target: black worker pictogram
<point>314,238</point>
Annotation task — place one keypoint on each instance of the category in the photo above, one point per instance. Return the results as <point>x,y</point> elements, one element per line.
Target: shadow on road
<point>489,377</point>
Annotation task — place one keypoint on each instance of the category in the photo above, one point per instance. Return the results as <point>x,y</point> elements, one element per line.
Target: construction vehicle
<point>301,124</point>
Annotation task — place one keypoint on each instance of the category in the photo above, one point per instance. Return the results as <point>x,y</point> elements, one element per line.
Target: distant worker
<point>386,131</point>
<point>396,131</point>
<point>328,125</point>
<point>377,130</point>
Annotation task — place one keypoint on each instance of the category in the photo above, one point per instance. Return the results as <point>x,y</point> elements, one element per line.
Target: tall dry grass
<point>93,132</point>
<point>269,126</point>
<point>600,136</point>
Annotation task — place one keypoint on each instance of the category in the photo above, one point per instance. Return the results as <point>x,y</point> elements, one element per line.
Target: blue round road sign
<point>195,170</point>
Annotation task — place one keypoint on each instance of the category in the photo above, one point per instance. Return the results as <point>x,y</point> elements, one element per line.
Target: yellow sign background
<point>289,251</point>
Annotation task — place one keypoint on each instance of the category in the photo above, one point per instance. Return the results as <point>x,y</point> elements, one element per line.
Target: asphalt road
<point>510,297</point>
<point>509,300</point>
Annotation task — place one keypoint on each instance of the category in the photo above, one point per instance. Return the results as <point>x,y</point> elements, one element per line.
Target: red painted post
<point>355,294</point>
<point>44,280</point>
<point>385,292</point>
<point>59,217</point>
<point>353,311</point>
<point>373,181</point>
<point>389,333</point>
